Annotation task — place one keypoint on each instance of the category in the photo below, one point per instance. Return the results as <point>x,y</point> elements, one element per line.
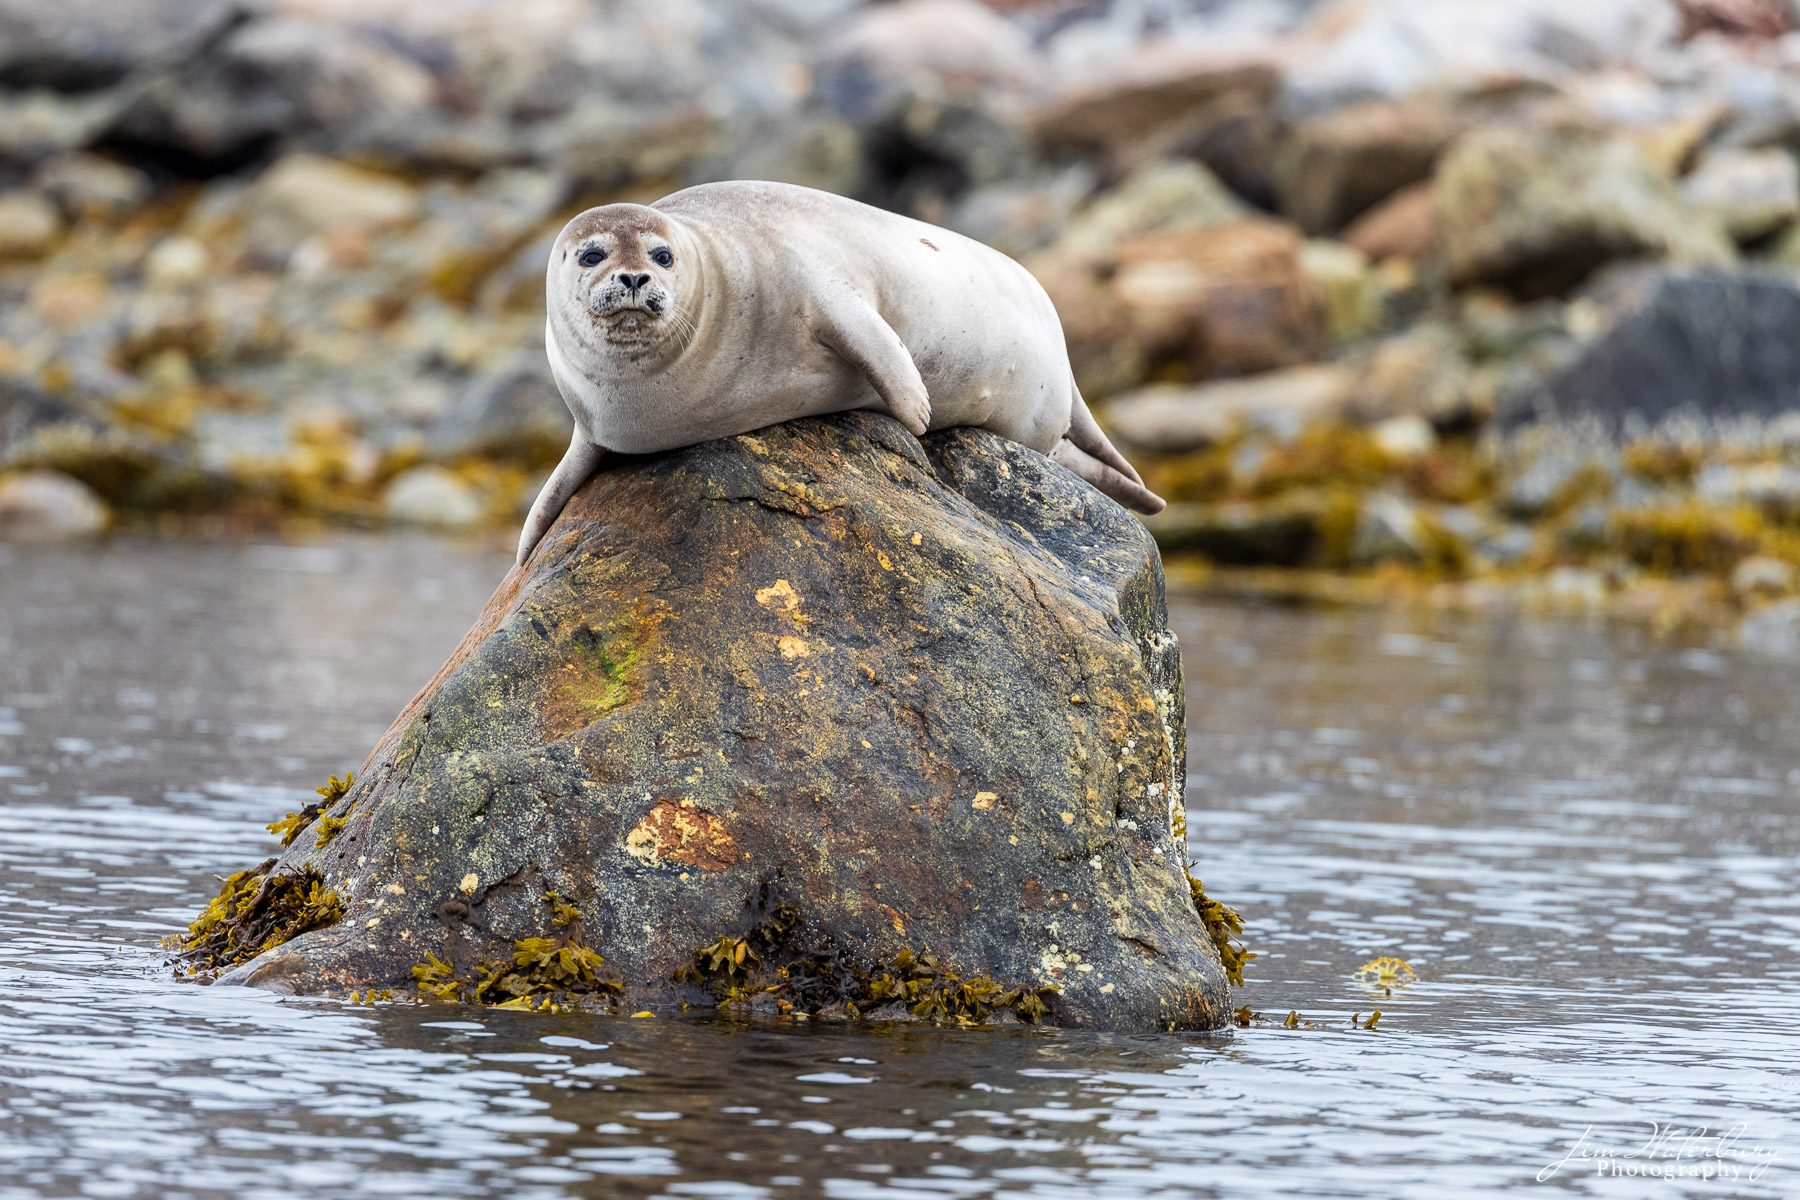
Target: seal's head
<point>617,285</point>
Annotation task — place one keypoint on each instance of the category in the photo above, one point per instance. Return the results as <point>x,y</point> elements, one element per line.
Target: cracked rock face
<point>922,692</point>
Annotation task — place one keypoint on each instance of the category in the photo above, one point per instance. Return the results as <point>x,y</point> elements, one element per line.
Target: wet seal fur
<point>733,306</point>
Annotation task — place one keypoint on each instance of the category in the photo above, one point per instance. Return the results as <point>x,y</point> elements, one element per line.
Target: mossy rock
<point>917,698</point>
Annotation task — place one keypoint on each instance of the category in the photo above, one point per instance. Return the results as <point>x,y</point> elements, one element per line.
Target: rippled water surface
<point>1583,839</point>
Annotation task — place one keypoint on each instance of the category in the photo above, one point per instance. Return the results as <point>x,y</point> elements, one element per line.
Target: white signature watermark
<point>1670,1153</point>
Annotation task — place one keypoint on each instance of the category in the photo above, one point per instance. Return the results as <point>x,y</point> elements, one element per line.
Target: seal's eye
<point>591,258</point>
<point>661,257</point>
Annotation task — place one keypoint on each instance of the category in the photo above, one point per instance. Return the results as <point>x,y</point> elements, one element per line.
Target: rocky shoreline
<point>1494,297</point>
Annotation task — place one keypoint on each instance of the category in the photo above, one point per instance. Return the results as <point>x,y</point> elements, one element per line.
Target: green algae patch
<point>1225,926</point>
<point>254,912</point>
<point>601,670</point>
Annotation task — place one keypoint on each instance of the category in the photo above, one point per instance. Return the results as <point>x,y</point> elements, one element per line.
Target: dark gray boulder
<point>1709,345</point>
<point>819,719</point>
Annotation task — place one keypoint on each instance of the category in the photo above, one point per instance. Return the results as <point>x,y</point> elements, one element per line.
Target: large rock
<point>1333,168</point>
<point>1537,210</point>
<point>1204,99</point>
<point>1706,344</point>
<point>1752,193</point>
<point>1173,419</point>
<point>818,688</point>
<point>1227,299</point>
<point>82,45</point>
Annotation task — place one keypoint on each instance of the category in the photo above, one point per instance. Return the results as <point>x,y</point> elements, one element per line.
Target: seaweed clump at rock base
<point>254,912</point>
<point>924,690</point>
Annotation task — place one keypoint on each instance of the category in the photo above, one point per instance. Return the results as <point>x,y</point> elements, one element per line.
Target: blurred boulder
<point>1333,168</point>
<point>43,506</point>
<point>816,149</point>
<point>1371,49</point>
<point>431,496</point>
<point>25,407</point>
<point>1760,576</point>
<point>1771,486</point>
<point>1228,299</point>
<point>512,410</point>
<point>1020,217</point>
<point>1283,532</point>
<point>1421,372</point>
<point>473,231</point>
<point>1404,437</point>
<point>1705,344</point>
<point>1751,193</point>
<point>1149,94</point>
<point>886,56</point>
<point>242,444</point>
<point>29,224</point>
<point>86,45</point>
<point>88,187</point>
<point>1748,20</point>
<point>607,143</point>
<point>1405,225</point>
<point>1160,196</point>
<point>1173,419</point>
<point>303,195</point>
<point>277,80</point>
<point>176,261</point>
<point>1537,209</point>
<point>1388,529</point>
<point>1351,293</point>
<point>935,89</point>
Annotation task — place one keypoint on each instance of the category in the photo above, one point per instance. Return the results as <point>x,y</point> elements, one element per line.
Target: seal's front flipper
<point>867,342</point>
<point>576,465</point>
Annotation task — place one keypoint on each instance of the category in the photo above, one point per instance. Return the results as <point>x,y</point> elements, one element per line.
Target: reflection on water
<point>1586,843</point>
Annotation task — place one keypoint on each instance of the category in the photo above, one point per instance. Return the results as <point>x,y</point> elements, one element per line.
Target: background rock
<point>1537,210</point>
<point>736,676</point>
<point>1334,168</point>
<point>1706,345</point>
<point>43,506</point>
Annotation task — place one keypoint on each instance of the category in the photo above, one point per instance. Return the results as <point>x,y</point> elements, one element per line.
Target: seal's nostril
<point>634,282</point>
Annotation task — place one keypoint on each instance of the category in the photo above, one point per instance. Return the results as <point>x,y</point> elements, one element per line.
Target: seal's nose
<point>634,282</point>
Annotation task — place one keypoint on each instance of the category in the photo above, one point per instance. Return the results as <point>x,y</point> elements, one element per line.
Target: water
<point>1584,840</point>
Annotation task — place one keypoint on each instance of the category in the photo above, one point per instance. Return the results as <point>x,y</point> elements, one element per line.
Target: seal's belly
<point>800,381</point>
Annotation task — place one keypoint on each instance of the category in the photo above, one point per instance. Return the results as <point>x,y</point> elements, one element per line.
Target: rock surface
<point>925,696</point>
<point>1702,344</point>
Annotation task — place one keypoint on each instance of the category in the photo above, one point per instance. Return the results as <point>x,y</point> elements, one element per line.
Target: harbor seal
<point>731,306</point>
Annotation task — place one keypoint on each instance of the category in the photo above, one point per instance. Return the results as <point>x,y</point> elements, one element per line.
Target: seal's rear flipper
<point>578,462</point>
<point>1087,435</point>
<point>1131,493</point>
